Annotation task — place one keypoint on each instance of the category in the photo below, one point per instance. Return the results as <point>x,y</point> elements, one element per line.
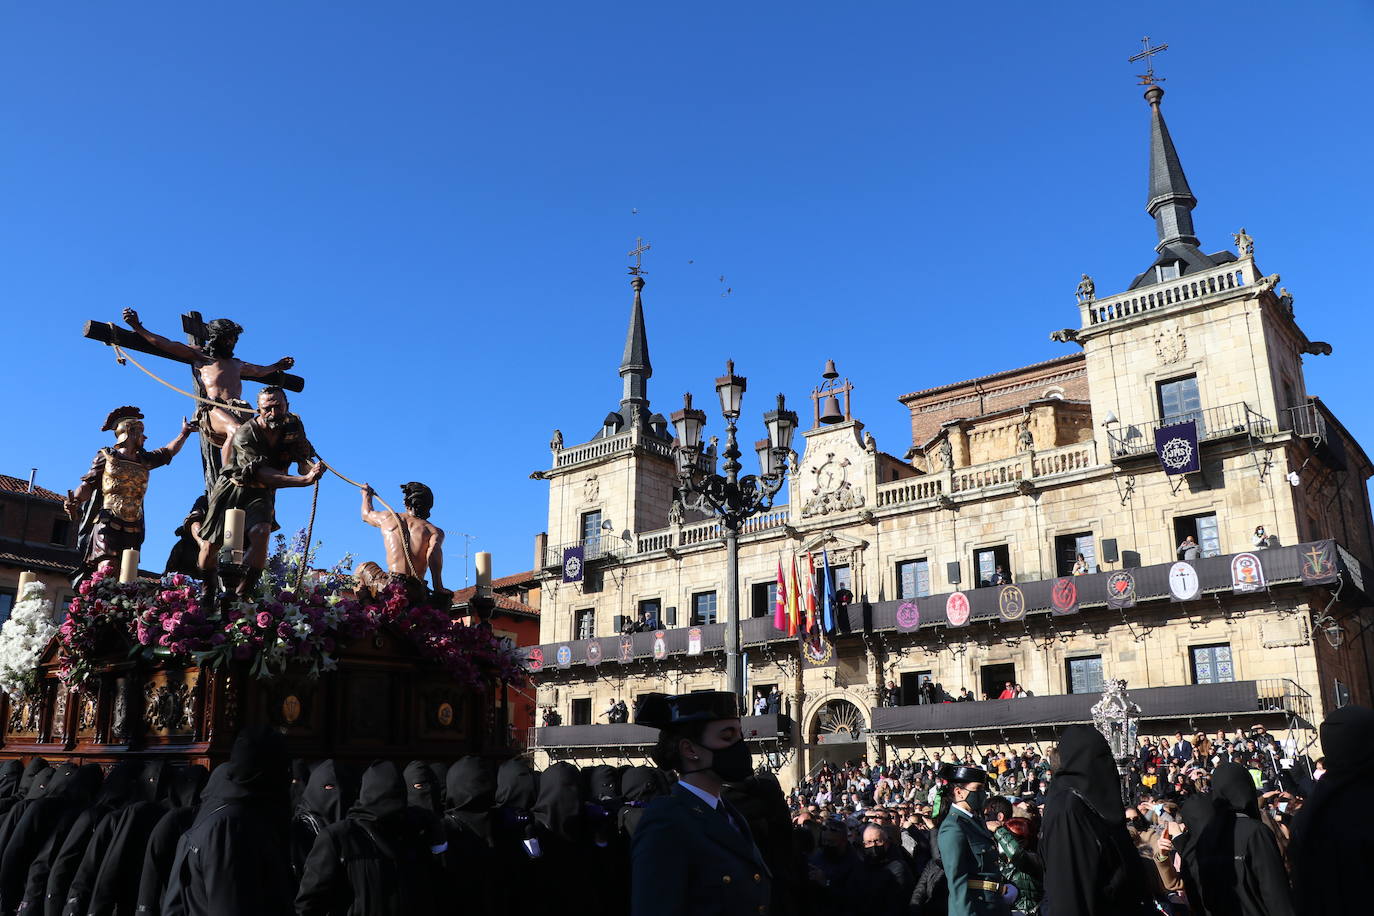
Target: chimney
<point>541,546</point>
<point>33,472</point>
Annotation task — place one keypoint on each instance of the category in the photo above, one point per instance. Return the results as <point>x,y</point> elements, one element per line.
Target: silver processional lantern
<point>1118,719</point>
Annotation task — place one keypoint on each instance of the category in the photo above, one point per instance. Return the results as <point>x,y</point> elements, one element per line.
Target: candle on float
<point>25,578</point>
<point>234,520</point>
<point>483,569</point>
<point>128,566</point>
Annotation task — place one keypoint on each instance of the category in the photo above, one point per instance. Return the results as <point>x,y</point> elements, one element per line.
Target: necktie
<point>725,815</point>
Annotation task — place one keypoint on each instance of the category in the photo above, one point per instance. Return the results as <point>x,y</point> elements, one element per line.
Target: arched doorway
<point>837,733</point>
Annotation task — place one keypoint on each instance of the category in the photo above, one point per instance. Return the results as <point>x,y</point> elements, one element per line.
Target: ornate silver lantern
<point>1118,719</point>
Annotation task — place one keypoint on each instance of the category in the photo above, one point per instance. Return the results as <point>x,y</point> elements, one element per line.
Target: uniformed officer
<point>968,850</point>
<point>693,852</point>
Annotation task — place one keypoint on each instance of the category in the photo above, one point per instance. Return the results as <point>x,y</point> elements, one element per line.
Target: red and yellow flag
<point>809,584</point>
<point>793,613</point>
<point>780,608</point>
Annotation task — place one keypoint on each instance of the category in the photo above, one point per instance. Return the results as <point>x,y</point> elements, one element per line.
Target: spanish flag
<point>780,608</point>
<point>809,587</point>
<point>793,614</point>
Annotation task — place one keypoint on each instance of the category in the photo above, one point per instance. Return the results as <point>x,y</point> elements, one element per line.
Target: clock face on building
<point>831,473</point>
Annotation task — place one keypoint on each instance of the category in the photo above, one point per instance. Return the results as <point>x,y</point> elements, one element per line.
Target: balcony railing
<point>607,547</point>
<point>1129,440</point>
<point>1220,281</point>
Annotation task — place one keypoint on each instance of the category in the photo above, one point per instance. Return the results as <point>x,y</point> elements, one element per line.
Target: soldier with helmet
<point>109,501</point>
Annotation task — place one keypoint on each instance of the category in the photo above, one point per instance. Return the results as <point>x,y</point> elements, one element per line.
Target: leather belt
<point>980,885</point>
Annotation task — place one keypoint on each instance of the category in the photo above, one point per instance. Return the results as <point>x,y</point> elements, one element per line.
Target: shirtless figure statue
<point>414,546</point>
<point>221,379</point>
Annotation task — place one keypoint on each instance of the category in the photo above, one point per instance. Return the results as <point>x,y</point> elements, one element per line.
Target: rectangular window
<point>582,711</point>
<point>913,578</point>
<point>703,609</point>
<point>591,526</point>
<point>1084,675</point>
<point>1212,664</point>
<point>586,624</point>
<point>1179,402</point>
<point>763,598</point>
<point>987,561</point>
<point>1068,547</point>
<point>912,681</point>
<point>61,530</point>
<point>649,613</point>
<point>6,603</point>
<point>762,692</point>
<point>1203,529</point>
<point>997,680</point>
<point>840,575</point>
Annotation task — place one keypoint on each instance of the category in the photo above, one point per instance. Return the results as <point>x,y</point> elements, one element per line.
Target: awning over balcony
<point>772,728</point>
<point>1242,698</point>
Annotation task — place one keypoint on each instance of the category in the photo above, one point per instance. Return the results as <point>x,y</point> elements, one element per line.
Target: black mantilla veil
<point>1087,768</point>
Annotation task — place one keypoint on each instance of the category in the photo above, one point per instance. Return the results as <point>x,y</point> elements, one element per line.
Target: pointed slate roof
<point>636,356</point>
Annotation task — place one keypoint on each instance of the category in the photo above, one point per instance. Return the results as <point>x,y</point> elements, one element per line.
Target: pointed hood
<point>325,794</point>
<point>559,806</point>
<point>186,785</point>
<point>10,773</point>
<point>36,765</point>
<point>1233,790</point>
<point>516,785</point>
<point>421,792</point>
<point>383,793</point>
<point>471,786</point>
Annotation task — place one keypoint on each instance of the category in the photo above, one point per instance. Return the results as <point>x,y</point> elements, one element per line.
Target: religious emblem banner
<point>627,650</point>
<point>1184,584</point>
<point>1064,596</point>
<point>573,562</point>
<point>694,641</point>
<point>660,645</point>
<point>1247,574</point>
<point>1319,563</point>
<point>908,616</point>
<point>1176,446</point>
<point>593,652</point>
<point>1120,590</point>
<point>957,609</point>
<point>1011,603</point>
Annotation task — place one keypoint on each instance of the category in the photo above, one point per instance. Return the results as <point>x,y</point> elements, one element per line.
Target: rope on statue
<point>309,536</point>
<point>122,356</point>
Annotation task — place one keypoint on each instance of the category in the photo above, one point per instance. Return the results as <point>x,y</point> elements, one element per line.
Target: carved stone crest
<point>591,488</point>
<point>1170,344</point>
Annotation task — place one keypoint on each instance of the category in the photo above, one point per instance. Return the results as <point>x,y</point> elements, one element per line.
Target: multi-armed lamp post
<point>732,498</point>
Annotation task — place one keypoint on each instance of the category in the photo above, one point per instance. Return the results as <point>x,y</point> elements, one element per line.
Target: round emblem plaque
<point>291,709</point>
<point>444,714</point>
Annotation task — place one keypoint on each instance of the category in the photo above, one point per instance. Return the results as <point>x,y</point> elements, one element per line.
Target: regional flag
<point>810,586</point>
<point>780,607</point>
<point>827,594</point>
<point>793,615</point>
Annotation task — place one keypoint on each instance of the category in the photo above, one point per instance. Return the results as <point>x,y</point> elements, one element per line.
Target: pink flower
<point>264,619</point>
<point>165,639</point>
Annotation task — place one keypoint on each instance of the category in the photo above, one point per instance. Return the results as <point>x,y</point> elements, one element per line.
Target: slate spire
<point>1170,200</point>
<point>635,369</point>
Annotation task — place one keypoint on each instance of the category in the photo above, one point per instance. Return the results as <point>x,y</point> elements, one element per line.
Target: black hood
<point>1086,766</point>
<point>603,784</point>
<point>186,785</point>
<point>558,807</point>
<point>643,783</point>
<point>300,775</point>
<point>154,780</point>
<point>219,782</point>
<point>123,784</point>
<point>440,773</point>
<point>1348,740</point>
<point>327,795</point>
<point>1233,790</point>
<point>38,787</point>
<point>383,793</point>
<point>421,792</point>
<point>11,771</point>
<point>62,776</point>
<point>471,785</point>
<point>515,785</point>
<point>259,769</point>
<point>1197,813</point>
<point>36,766</point>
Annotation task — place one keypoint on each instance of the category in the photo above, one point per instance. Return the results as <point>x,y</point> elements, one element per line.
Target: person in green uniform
<point>968,851</point>
<point>693,853</point>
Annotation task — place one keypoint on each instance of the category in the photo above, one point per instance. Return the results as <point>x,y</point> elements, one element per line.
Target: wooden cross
<point>635,252</point>
<point>196,334</point>
<point>1148,78</point>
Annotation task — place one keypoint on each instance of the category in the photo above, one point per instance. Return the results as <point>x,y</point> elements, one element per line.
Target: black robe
<point>470,861</point>
<point>421,789</point>
<point>383,859</point>
<point>1240,871</point>
<point>1197,813</point>
<point>162,844</point>
<point>1333,844</point>
<point>235,859</point>
<point>70,792</point>
<point>561,828</point>
<point>1091,866</point>
<point>34,788</point>
<point>640,785</point>
<point>11,771</point>
<point>513,826</point>
<point>115,883</point>
<point>327,796</point>
<point>52,870</point>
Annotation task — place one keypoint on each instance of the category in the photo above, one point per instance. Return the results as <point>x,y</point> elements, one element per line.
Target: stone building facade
<point>1020,474</point>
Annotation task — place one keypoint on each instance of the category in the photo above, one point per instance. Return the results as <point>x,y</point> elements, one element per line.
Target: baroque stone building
<point>1023,474</point>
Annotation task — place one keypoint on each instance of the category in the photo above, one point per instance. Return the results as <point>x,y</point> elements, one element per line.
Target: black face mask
<point>733,763</point>
<point>875,854</point>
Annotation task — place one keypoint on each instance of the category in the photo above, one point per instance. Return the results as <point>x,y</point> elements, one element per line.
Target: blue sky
<point>429,205</point>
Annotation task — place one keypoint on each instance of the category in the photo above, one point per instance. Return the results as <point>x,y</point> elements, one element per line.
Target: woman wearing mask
<point>692,852</point>
<point>967,850</point>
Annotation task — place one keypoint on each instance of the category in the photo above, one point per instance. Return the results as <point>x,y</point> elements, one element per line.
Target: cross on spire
<point>1148,78</point>
<point>635,252</point>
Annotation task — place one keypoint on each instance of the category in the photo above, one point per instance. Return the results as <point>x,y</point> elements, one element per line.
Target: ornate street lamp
<point>1118,719</point>
<point>732,498</point>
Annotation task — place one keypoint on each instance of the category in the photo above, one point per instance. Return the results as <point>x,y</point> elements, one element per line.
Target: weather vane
<point>1148,78</point>
<point>635,252</point>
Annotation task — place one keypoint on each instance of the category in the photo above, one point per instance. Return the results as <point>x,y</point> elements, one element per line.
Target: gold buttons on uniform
<point>758,878</point>
<point>725,879</point>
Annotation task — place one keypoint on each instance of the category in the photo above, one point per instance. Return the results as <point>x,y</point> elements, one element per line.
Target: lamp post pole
<point>731,498</point>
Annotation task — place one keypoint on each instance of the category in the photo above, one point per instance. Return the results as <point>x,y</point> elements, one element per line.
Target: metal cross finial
<point>635,252</point>
<point>1148,78</point>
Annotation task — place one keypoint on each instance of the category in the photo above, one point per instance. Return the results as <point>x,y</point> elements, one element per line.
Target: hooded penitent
<point>1091,866</point>
<point>471,794</point>
<point>421,791</point>
<point>71,791</point>
<point>1239,869</point>
<point>640,785</point>
<point>162,844</point>
<point>51,874</point>
<point>558,809</point>
<point>1332,842</point>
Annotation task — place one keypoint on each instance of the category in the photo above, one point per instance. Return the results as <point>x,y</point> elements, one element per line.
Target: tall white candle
<point>483,569</point>
<point>234,521</point>
<point>128,567</point>
<point>25,578</point>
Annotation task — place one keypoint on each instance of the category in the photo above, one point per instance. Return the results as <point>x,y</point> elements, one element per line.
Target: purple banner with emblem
<point>1176,446</point>
<point>573,562</point>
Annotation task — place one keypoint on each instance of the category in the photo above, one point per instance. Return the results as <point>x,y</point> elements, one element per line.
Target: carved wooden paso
<point>109,333</point>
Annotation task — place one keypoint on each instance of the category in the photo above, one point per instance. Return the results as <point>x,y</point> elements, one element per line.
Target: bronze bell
<point>830,410</point>
<point>830,370</point>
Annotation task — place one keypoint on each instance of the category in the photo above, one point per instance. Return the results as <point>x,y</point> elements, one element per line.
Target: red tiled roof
<point>19,485</point>
<point>32,562</point>
<point>1067,358</point>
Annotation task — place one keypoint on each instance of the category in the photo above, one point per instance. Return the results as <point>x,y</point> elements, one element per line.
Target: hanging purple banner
<point>1176,446</point>
<point>573,563</point>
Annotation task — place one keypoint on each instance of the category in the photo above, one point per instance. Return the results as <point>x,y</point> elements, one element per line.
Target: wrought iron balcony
<point>1131,439</point>
<point>604,547</point>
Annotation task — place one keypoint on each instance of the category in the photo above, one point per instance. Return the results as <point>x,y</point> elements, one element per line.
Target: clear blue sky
<point>429,205</point>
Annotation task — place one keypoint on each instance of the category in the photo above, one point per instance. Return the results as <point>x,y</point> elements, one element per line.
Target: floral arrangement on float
<point>22,639</point>
<point>286,628</point>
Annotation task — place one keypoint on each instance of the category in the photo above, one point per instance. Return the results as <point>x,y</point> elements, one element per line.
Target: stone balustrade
<point>601,448</point>
<point>1216,282</point>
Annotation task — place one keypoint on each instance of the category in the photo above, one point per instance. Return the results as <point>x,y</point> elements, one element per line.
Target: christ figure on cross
<point>221,377</point>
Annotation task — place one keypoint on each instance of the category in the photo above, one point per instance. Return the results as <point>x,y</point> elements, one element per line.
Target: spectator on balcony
<point>1080,566</point>
<point>1189,551</point>
<point>1001,576</point>
<point>966,695</point>
<point>1008,691</point>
